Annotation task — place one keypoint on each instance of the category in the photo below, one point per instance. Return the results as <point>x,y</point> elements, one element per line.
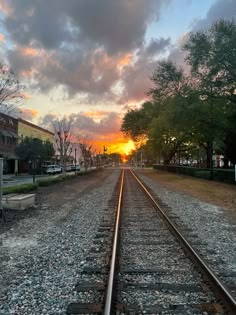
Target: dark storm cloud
<point>221,9</point>
<point>136,77</point>
<point>46,121</point>
<point>37,21</point>
<point>20,62</point>
<point>82,125</point>
<point>82,41</point>
<point>157,46</point>
<point>117,25</point>
<point>88,126</point>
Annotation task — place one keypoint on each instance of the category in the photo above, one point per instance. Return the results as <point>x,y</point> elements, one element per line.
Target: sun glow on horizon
<point>123,148</point>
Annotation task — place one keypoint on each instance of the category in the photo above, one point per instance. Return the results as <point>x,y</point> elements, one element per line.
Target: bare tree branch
<point>10,89</point>
<point>62,138</point>
<point>86,148</point>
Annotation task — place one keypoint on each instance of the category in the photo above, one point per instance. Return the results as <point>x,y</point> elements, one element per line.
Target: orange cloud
<point>125,60</point>
<point>5,8</point>
<point>25,95</point>
<point>29,51</point>
<point>99,114</point>
<point>101,58</point>
<point>28,113</point>
<point>25,73</point>
<point>2,38</point>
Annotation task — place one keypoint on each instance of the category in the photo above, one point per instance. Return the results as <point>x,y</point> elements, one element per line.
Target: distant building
<point>12,132</point>
<point>8,141</point>
<point>27,129</point>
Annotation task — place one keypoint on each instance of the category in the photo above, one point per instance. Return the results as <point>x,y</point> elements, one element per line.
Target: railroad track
<point>153,269</point>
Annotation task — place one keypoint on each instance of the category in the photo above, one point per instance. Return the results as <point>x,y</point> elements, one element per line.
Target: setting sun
<point>123,148</point>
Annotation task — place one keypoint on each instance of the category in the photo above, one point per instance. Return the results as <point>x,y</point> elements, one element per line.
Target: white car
<point>72,167</point>
<point>53,169</point>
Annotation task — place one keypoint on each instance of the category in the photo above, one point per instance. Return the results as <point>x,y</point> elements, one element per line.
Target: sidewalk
<point>12,180</point>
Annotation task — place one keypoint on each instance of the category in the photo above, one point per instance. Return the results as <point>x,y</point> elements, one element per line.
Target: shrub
<point>222,175</point>
<point>24,188</point>
<point>50,181</point>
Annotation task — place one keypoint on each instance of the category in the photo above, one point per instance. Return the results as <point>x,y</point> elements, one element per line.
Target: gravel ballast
<point>42,256</point>
<point>213,228</point>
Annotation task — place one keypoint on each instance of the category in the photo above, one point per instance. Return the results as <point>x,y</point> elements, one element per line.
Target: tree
<point>35,150</point>
<point>136,121</point>
<point>212,57</point>
<point>192,111</point>
<point>229,141</point>
<point>62,139</point>
<point>174,95</point>
<point>10,89</point>
<point>169,81</point>
<point>86,148</point>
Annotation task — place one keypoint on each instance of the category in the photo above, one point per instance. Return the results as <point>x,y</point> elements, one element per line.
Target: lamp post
<point>211,136</point>
<point>2,216</point>
<point>75,160</point>
<point>210,149</point>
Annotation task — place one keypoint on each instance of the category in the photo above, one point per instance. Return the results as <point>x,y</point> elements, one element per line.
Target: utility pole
<point>2,215</point>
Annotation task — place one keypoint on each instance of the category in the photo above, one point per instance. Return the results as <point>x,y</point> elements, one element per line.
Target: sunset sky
<point>92,59</point>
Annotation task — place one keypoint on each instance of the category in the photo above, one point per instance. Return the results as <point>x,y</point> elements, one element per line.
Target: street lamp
<point>75,160</point>
<point>211,136</point>
<point>205,97</point>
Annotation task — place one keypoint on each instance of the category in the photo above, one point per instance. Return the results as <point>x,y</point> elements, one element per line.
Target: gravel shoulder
<point>199,206</point>
<point>219,194</point>
<point>42,250</point>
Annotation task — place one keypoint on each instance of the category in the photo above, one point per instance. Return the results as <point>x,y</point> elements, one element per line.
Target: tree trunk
<point>226,162</point>
<point>208,154</point>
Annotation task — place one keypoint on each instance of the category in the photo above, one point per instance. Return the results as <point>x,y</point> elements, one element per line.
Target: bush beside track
<point>29,187</point>
<point>221,175</point>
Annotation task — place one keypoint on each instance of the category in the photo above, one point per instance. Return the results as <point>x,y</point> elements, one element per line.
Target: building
<point>27,129</point>
<point>8,142</point>
<point>12,131</point>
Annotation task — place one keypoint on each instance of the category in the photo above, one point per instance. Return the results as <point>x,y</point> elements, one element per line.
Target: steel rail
<point>109,293</point>
<point>224,293</point>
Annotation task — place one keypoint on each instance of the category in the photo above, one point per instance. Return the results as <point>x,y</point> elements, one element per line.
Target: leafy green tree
<point>169,81</point>
<point>136,122</point>
<point>175,96</point>
<point>192,112</point>
<point>171,132</point>
<point>212,57</point>
<point>229,141</point>
<point>35,150</point>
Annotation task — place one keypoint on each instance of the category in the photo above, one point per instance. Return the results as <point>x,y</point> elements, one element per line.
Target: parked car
<point>69,168</point>
<point>53,169</point>
<point>72,167</point>
<point>77,168</point>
